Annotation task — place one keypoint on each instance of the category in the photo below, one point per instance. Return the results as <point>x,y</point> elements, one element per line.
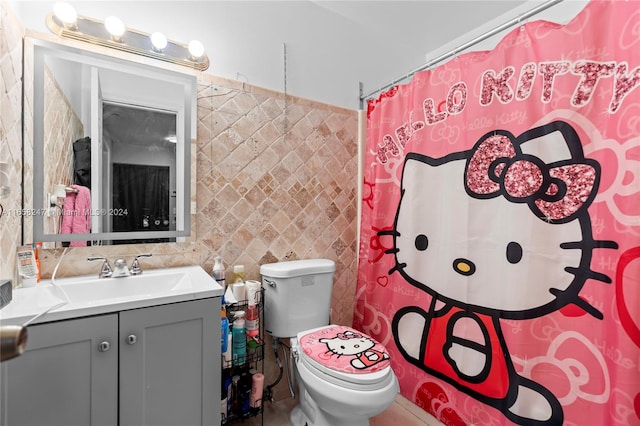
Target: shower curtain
<point>500,241</point>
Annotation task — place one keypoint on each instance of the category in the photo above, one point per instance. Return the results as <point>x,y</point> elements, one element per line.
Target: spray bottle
<point>252,322</point>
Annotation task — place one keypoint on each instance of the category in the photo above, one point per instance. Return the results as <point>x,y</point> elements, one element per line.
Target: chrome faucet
<point>135,265</point>
<point>120,269</point>
<point>105,270</point>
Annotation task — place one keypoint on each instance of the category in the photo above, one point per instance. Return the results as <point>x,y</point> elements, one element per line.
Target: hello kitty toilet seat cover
<point>342,349</point>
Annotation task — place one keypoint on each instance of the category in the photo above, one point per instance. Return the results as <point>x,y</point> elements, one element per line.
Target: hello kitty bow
<point>557,192</point>
<point>348,335</point>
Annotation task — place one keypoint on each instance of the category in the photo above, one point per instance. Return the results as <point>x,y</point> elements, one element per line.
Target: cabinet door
<point>170,364</point>
<point>65,377</point>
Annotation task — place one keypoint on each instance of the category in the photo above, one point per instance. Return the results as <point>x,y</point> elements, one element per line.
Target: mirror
<point>115,136</point>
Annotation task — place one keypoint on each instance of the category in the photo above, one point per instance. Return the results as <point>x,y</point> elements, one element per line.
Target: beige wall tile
<point>11,33</point>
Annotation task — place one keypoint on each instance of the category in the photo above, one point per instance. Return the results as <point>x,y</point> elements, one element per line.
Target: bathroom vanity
<point>143,358</point>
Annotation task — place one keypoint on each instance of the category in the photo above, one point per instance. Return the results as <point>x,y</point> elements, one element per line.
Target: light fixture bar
<point>93,31</point>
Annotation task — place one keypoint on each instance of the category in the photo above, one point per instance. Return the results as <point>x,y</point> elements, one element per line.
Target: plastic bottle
<point>236,403</point>
<point>245,393</point>
<point>252,322</point>
<point>227,361</point>
<point>238,274</point>
<point>257,384</point>
<point>224,330</point>
<point>239,339</point>
<point>218,271</point>
<point>228,385</point>
<point>224,402</point>
<point>37,247</point>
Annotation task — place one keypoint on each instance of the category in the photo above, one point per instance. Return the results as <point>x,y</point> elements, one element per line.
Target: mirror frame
<point>40,50</point>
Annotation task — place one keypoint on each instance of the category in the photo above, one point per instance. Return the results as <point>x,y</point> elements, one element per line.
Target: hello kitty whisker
<point>608,244</point>
<point>575,245</point>
<point>589,274</point>
<point>581,303</point>
<point>581,245</point>
<point>397,267</point>
<point>391,232</point>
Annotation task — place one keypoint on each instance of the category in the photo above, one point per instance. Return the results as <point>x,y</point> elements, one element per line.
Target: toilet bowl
<point>344,377</point>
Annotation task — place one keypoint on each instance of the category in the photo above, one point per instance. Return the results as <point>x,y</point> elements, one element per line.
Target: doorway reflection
<point>139,168</point>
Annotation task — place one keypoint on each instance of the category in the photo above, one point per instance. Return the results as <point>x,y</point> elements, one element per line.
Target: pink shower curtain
<point>500,243</point>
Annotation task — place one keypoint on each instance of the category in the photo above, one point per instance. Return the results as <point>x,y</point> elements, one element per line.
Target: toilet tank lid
<point>295,268</point>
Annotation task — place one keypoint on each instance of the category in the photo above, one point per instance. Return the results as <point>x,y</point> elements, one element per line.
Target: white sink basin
<point>98,289</point>
<point>90,295</point>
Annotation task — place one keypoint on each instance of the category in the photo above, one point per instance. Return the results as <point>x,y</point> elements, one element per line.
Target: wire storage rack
<point>237,377</point>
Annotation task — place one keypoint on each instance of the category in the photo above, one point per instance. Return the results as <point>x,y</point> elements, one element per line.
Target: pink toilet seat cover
<point>344,349</point>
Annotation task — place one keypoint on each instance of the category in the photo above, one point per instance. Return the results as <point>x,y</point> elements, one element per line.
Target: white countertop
<point>89,295</point>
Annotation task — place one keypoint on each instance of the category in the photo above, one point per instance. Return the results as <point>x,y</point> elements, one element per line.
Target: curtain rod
<point>465,46</point>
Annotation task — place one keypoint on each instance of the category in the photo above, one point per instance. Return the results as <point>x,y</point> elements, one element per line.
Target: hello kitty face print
<point>354,344</point>
<point>512,240</point>
<point>344,349</point>
<point>487,236</point>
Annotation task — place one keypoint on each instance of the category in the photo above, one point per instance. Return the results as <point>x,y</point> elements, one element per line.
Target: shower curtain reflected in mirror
<point>140,199</point>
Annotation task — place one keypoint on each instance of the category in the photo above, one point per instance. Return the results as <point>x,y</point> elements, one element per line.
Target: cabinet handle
<point>104,346</point>
<point>132,339</point>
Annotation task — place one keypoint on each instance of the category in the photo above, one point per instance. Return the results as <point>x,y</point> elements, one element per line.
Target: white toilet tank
<point>297,295</point>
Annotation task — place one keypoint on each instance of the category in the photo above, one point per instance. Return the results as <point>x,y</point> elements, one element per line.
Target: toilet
<point>344,376</point>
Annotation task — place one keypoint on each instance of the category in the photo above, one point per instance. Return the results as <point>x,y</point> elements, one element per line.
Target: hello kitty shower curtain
<point>500,239</point>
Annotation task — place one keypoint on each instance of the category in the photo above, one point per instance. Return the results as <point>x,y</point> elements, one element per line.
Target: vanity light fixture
<point>65,22</point>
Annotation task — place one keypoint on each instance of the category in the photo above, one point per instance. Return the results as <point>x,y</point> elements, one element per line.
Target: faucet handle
<point>135,265</point>
<point>105,270</point>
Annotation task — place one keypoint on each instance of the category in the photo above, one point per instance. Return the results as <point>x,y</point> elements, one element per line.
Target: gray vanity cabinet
<point>66,375</point>
<point>156,365</point>
<point>170,364</point>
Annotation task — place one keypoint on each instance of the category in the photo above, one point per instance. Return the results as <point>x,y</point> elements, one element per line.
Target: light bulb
<point>66,14</point>
<point>196,49</point>
<point>159,41</point>
<point>115,27</point>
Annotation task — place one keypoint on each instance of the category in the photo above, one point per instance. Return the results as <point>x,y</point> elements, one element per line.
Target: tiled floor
<point>402,412</point>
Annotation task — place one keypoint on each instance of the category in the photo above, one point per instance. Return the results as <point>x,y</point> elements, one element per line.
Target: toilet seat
<point>345,357</point>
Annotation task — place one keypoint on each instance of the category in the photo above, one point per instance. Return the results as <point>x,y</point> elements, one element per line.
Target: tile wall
<point>11,33</point>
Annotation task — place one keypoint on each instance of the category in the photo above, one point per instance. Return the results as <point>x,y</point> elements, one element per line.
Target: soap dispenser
<point>218,271</point>
<point>239,339</point>
<point>238,274</point>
